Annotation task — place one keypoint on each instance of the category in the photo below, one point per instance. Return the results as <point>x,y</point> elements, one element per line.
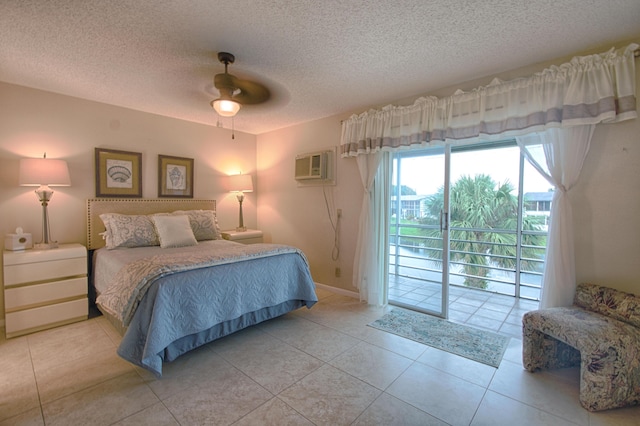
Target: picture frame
<point>175,177</point>
<point>118,173</point>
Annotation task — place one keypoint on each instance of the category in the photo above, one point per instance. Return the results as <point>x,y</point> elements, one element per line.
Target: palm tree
<point>478,205</point>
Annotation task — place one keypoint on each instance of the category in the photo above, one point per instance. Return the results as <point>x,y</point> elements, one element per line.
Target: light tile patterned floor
<point>322,366</point>
<point>490,311</point>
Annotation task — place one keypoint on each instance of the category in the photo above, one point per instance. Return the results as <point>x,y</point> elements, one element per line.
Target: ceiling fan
<point>235,92</point>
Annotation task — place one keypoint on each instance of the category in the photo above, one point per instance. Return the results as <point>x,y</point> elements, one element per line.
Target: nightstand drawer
<point>30,320</point>
<point>256,240</point>
<point>44,271</point>
<point>41,294</point>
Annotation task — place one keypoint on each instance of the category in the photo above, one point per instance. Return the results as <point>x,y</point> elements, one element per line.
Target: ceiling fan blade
<point>245,92</point>
<point>251,92</point>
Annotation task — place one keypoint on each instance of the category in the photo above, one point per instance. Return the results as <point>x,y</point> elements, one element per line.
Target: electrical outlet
<point>338,272</point>
<point>339,213</point>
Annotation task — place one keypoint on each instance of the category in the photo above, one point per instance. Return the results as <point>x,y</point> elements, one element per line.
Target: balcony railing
<point>506,264</point>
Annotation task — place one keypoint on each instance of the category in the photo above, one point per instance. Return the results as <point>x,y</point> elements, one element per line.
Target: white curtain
<point>585,91</point>
<point>365,277</point>
<point>558,154</point>
<point>372,245</point>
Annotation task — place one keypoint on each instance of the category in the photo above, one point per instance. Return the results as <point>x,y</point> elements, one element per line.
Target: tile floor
<point>490,311</point>
<point>322,366</point>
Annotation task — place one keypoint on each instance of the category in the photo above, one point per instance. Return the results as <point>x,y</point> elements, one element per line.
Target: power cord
<point>335,252</point>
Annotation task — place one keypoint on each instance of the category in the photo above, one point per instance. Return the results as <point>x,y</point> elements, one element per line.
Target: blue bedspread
<point>184,310</point>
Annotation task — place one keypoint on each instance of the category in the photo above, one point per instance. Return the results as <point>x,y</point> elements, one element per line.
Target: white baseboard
<point>337,290</point>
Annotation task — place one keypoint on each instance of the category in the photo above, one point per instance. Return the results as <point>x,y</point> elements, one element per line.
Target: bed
<point>168,300</point>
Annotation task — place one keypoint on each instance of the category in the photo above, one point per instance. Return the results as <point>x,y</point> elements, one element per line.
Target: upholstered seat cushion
<point>599,335</point>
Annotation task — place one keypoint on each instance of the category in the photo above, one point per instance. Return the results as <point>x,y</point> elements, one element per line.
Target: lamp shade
<point>240,183</point>
<point>43,171</point>
<point>226,107</point>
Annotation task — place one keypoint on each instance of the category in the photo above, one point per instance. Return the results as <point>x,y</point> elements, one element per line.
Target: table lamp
<point>44,172</point>
<point>240,184</point>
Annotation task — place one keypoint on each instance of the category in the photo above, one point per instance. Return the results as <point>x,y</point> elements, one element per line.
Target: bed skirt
<point>190,342</point>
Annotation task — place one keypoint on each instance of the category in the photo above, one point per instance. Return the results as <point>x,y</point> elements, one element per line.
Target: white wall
<point>606,200</point>
<point>33,122</point>
<point>297,215</point>
<point>606,208</point>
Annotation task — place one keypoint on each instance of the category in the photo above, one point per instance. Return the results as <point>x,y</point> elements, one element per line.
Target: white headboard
<point>98,206</point>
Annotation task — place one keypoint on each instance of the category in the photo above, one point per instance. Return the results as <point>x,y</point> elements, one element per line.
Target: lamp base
<point>241,229</point>
<point>45,246</point>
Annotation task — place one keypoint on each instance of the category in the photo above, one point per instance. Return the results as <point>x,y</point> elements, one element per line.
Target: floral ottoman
<point>601,333</point>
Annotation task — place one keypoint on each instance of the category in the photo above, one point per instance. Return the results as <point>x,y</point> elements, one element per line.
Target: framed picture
<point>118,173</point>
<point>175,177</point>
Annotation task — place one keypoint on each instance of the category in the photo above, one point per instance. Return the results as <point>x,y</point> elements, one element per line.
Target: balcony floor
<point>477,308</point>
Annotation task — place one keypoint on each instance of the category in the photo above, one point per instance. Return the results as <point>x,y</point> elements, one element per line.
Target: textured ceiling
<point>318,57</point>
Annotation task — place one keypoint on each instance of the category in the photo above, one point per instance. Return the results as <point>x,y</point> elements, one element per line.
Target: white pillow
<point>174,231</point>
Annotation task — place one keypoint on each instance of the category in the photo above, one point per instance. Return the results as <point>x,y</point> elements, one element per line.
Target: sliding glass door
<point>472,217</point>
<point>419,248</point>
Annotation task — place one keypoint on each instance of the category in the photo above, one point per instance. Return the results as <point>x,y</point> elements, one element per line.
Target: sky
<point>426,174</point>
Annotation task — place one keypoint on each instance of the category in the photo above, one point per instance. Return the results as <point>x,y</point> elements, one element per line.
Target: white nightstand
<point>44,288</point>
<point>250,236</point>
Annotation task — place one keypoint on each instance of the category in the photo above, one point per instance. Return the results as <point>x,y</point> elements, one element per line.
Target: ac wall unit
<point>311,166</point>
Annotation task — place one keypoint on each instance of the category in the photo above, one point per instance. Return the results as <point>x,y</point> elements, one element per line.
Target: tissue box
<point>18,242</point>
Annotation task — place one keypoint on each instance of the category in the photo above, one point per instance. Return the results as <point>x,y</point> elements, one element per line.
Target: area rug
<point>479,345</point>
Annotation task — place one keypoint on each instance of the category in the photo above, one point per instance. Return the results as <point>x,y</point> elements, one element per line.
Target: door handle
<point>444,221</point>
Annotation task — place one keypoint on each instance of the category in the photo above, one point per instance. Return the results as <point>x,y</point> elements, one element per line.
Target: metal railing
<point>505,267</point>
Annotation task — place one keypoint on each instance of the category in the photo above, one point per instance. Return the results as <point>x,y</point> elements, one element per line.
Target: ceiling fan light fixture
<point>226,107</point>
<point>235,92</point>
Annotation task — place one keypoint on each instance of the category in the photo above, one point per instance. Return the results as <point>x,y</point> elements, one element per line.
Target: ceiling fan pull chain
<point>233,129</point>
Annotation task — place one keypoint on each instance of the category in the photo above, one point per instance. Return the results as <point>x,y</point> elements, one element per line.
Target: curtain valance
<point>587,90</point>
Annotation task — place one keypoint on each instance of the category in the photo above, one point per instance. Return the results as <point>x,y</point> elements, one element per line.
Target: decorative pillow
<point>204,223</point>
<point>128,231</point>
<point>174,231</point>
